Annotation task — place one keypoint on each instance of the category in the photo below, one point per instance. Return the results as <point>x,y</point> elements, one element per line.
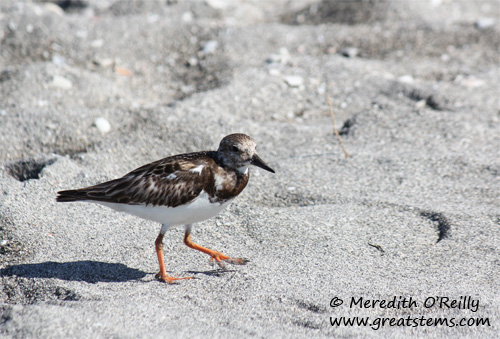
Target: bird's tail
<point>71,195</point>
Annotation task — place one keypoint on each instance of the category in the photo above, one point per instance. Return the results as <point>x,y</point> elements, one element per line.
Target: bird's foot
<point>221,259</point>
<point>168,279</point>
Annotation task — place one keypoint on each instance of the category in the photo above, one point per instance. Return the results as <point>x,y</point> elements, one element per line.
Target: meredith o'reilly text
<point>400,302</point>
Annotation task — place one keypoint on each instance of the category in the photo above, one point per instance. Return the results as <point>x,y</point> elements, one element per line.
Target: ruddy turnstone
<point>180,190</point>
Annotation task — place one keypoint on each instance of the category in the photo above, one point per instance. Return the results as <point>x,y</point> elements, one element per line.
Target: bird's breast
<point>226,186</point>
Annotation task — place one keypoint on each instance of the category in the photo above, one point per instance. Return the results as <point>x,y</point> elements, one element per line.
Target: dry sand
<point>414,211</point>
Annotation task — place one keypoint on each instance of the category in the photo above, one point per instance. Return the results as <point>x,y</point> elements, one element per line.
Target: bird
<point>180,190</point>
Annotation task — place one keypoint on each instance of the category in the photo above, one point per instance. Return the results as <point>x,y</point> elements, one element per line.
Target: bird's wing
<point>169,182</point>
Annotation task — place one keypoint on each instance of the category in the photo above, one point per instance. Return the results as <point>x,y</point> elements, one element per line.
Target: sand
<point>404,231</point>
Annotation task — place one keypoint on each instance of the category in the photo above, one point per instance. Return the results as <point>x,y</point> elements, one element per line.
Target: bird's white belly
<point>198,210</point>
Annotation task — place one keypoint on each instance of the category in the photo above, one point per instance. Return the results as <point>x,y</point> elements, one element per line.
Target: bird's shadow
<point>213,273</point>
<point>87,270</point>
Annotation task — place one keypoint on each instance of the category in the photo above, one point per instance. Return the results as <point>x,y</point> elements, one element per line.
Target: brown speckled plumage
<point>172,182</point>
<point>166,182</point>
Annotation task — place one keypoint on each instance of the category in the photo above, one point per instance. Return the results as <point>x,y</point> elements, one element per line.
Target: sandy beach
<point>399,239</point>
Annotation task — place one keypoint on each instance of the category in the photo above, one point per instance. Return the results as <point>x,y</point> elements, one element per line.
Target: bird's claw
<point>168,279</point>
<point>222,259</point>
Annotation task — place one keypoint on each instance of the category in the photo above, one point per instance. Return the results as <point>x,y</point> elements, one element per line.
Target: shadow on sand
<point>88,271</point>
<point>213,273</point>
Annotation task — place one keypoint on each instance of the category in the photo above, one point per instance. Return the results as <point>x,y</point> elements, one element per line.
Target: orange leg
<point>162,275</point>
<point>219,257</point>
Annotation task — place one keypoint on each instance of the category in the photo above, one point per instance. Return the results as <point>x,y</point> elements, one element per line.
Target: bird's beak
<point>257,161</point>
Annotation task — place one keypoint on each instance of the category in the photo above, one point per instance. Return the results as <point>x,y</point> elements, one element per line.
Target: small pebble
<point>284,51</point>
<point>123,71</point>
<point>283,57</point>
<point>349,52</point>
<point>82,34</point>
<point>102,125</point>
<point>445,57</point>
<point>294,80</point>
<point>218,4</point>
<point>273,58</point>
<point>421,103</point>
<point>104,62</point>
<point>210,47</point>
<point>12,26</point>
<point>187,17</point>
<point>484,23</point>
<point>152,18</point>
<point>472,82</point>
<point>58,59</point>
<point>56,47</point>
<point>274,72</point>
<point>321,89</point>
<point>193,61</point>
<point>406,79</point>
<point>61,82</point>
<point>97,43</point>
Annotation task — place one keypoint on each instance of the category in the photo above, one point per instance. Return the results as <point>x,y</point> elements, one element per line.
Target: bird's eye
<point>235,149</point>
